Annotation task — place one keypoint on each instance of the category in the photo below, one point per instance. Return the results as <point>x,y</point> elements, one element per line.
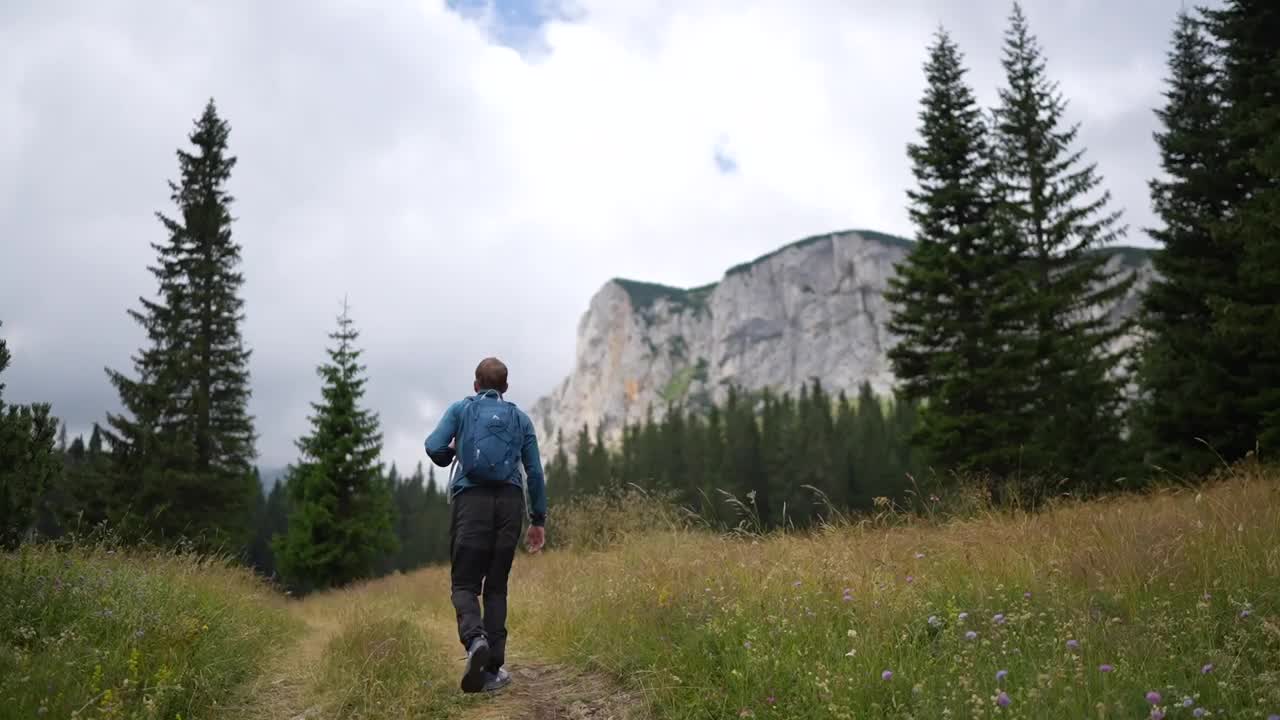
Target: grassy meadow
<point>1160,605</point>
<point>96,632</point>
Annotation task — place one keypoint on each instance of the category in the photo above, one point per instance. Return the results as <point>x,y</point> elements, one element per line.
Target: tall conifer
<point>341,523</point>
<point>1247,316</point>
<point>185,442</point>
<point>1051,206</point>
<point>953,295</point>
<point>1184,405</point>
<point>29,461</point>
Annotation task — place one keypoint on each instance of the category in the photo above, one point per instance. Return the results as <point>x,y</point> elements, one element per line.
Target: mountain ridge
<point>814,307</point>
<point>1132,254</point>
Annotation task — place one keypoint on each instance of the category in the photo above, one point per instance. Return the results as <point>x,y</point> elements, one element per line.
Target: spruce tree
<point>29,461</point>
<point>953,296</point>
<point>341,521</point>
<point>1049,204</point>
<point>1184,402</point>
<point>273,521</point>
<point>186,440</point>
<point>1247,316</point>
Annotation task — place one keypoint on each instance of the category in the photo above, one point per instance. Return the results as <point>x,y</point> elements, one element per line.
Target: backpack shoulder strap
<point>467,402</point>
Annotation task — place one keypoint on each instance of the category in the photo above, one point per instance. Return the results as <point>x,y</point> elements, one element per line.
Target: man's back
<point>455,428</point>
<point>494,440</point>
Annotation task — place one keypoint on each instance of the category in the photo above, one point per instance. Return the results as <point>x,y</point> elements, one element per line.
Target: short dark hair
<point>491,374</point>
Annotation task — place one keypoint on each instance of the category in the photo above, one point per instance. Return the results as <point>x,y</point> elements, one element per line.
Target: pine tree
<point>954,295</point>
<point>1247,316</point>
<point>186,440</point>
<point>1182,367</point>
<point>341,522</point>
<point>742,466</point>
<point>871,437</point>
<point>272,522</point>
<point>258,549</point>
<point>1049,205</point>
<point>28,461</point>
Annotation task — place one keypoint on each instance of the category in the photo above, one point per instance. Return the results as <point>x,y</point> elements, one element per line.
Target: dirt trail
<point>542,690</point>
<point>283,689</point>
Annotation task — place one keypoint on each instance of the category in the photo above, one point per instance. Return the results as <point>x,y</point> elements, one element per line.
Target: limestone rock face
<point>813,309</point>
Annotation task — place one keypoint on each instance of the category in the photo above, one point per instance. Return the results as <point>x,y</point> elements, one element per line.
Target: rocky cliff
<point>815,308</point>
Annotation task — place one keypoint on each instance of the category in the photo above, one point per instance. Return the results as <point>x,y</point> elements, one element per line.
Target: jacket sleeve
<point>437,443</point>
<point>534,479</point>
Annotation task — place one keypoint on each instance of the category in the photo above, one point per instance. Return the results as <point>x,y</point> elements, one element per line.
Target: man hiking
<point>490,439</point>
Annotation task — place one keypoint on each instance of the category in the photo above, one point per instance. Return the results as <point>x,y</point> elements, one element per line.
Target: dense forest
<point>1008,368</point>
<point>788,459</point>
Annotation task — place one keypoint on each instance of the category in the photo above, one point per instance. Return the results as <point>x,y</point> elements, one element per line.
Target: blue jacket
<point>450,428</point>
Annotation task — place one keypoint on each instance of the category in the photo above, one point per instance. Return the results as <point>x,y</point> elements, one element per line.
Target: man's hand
<point>536,538</point>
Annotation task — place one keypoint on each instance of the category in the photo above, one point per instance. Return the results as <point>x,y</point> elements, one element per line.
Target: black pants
<point>484,529</point>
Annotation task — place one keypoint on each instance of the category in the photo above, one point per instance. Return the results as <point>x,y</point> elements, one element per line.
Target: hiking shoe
<point>496,681</point>
<point>473,678</point>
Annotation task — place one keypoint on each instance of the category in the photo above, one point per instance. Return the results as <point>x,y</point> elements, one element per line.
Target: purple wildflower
<point>1073,644</point>
<point>1105,668</point>
<point>1026,595</point>
<point>1153,697</point>
<point>934,621</point>
<point>1198,712</point>
<point>747,644</point>
<point>886,675</point>
<point>971,635</point>
<point>1187,701</point>
<point>1208,668</point>
<point>1245,613</point>
<point>1003,699</point>
<point>1157,714</point>
<point>998,619</point>
<point>910,579</point>
<point>771,700</point>
<point>1001,675</point>
<point>963,616</point>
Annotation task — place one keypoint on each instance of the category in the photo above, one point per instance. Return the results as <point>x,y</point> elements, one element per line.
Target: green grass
<point>1177,592</point>
<point>679,385</point>
<point>984,614</point>
<point>94,633</point>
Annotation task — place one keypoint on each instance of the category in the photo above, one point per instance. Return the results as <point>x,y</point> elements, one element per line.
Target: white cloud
<point>469,200</point>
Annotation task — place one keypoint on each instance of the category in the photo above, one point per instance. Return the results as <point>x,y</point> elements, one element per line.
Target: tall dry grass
<point>1083,610</point>
<point>375,652</point>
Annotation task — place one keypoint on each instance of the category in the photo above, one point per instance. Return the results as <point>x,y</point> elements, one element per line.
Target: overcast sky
<point>469,173</point>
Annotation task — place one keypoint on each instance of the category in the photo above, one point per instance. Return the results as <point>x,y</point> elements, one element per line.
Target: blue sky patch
<point>516,24</point>
<point>726,163</point>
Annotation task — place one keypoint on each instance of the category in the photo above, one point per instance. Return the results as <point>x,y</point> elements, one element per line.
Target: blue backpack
<point>492,440</point>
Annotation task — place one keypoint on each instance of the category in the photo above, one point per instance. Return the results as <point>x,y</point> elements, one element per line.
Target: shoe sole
<point>496,686</point>
<point>473,678</point>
